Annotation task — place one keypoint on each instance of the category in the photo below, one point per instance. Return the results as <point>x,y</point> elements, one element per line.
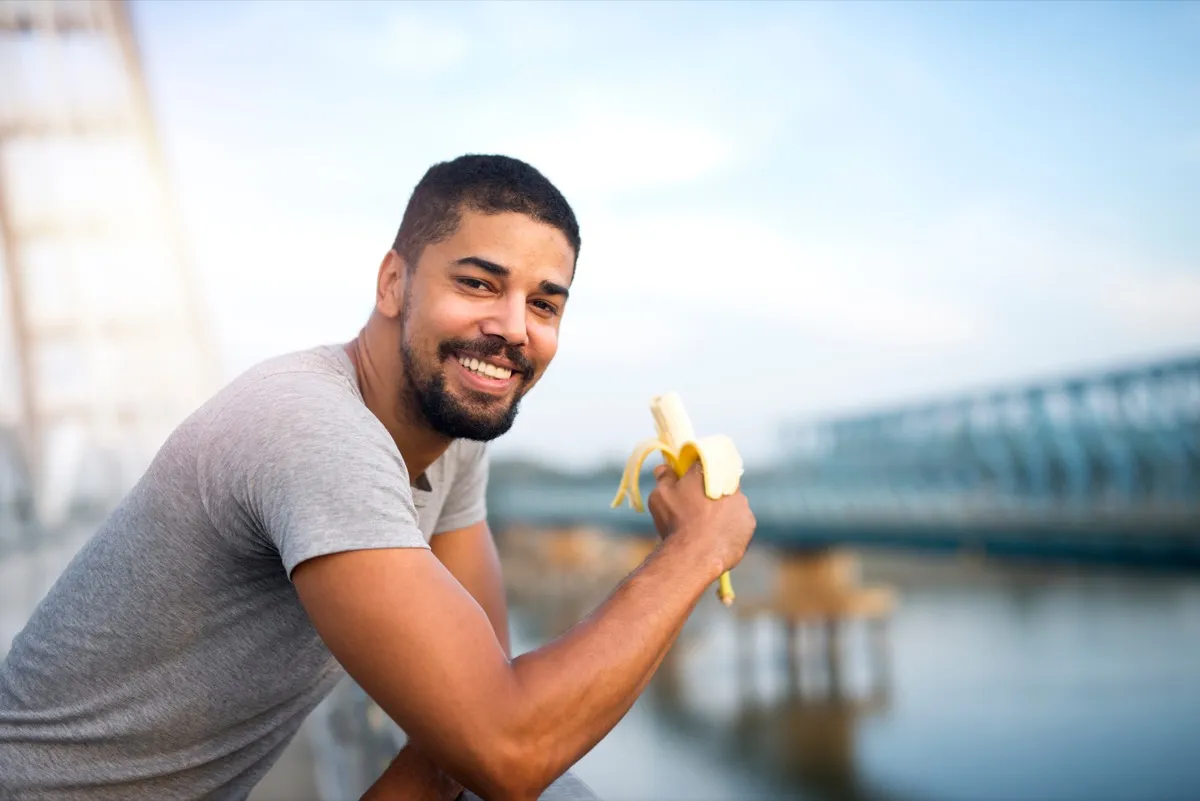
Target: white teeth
<point>490,370</point>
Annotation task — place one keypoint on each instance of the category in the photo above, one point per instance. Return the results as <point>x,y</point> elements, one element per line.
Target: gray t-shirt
<point>172,659</point>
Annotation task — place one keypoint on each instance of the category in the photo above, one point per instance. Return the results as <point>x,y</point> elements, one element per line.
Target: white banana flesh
<point>720,462</point>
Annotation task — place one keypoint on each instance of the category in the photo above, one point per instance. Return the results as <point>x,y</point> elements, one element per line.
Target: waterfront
<point>1004,682</point>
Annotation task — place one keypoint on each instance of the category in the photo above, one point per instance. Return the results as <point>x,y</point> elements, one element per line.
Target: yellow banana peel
<point>719,460</point>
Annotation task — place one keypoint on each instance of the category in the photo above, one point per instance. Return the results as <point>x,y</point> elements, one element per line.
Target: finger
<point>664,474</point>
<point>694,477</point>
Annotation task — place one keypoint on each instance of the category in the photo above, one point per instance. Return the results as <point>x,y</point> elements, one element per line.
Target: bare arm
<point>425,650</point>
<point>470,556</point>
<point>413,777</point>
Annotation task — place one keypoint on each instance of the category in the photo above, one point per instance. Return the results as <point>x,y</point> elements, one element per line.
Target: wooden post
<point>791,628</point>
<point>833,657</point>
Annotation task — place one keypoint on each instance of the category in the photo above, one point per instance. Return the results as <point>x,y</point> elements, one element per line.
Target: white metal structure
<point>102,349</point>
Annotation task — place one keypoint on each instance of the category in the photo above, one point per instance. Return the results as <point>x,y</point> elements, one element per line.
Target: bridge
<point>1104,466</point>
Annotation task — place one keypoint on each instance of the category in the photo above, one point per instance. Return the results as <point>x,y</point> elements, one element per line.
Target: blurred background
<point>935,267</point>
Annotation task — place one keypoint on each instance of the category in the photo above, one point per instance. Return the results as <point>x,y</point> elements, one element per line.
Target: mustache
<point>485,347</point>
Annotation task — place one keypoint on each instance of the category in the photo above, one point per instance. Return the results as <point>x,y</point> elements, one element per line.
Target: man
<point>325,512</point>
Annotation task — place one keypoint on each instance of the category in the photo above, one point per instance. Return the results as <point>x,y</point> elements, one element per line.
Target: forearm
<point>572,691</point>
<point>413,777</point>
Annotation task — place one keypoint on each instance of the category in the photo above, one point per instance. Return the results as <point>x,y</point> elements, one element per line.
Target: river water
<point>1002,682</point>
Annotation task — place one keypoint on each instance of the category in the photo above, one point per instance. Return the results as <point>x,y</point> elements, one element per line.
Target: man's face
<point>479,321</point>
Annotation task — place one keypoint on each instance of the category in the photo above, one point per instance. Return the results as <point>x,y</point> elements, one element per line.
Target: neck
<point>375,353</point>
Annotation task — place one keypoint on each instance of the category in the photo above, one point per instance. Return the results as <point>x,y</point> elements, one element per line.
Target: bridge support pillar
<point>816,594</point>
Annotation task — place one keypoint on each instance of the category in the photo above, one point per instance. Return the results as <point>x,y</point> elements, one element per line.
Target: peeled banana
<point>719,459</point>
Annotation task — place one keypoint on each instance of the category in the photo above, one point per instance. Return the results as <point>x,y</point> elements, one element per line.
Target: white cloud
<point>606,148</point>
<point>991,238</point>
<point>605,330</point>
<point>1087,273</point>
<point>721,263</point>
<point>1164,306</point>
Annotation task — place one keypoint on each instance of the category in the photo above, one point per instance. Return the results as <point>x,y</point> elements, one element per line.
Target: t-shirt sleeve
<point>299,461</point>
<point>466,499</point>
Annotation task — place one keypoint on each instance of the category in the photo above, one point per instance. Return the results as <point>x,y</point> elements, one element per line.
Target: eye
<point>549,308</point>
<point>472,283</point>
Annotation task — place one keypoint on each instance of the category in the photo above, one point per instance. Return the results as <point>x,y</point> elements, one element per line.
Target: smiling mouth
<point>484,368</point>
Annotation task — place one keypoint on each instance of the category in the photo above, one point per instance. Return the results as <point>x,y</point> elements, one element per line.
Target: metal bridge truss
<point>1121,442</point>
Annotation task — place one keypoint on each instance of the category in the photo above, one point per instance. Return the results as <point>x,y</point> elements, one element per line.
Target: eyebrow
<point>499,270</point>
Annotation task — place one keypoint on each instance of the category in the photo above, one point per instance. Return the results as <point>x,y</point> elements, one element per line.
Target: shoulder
<point>300,406</point>
<point>293,391</point>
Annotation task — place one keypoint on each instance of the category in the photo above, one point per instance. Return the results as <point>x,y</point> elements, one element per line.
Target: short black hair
<point>488,184</point>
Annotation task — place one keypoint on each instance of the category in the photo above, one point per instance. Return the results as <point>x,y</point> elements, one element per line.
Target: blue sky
<point>786,208</point>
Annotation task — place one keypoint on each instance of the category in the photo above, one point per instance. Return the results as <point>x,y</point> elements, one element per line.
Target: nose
<point>507,321</point>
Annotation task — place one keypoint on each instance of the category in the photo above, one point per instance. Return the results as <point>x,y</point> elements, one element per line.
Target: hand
<point>682,512</point>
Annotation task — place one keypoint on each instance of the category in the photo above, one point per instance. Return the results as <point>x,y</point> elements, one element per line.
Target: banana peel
<point>720,462</point>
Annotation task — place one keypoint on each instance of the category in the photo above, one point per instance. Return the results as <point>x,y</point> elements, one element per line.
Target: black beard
<point>445,413</point>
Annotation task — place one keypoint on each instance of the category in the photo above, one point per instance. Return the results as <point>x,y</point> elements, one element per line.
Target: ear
<point>389,285</point>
